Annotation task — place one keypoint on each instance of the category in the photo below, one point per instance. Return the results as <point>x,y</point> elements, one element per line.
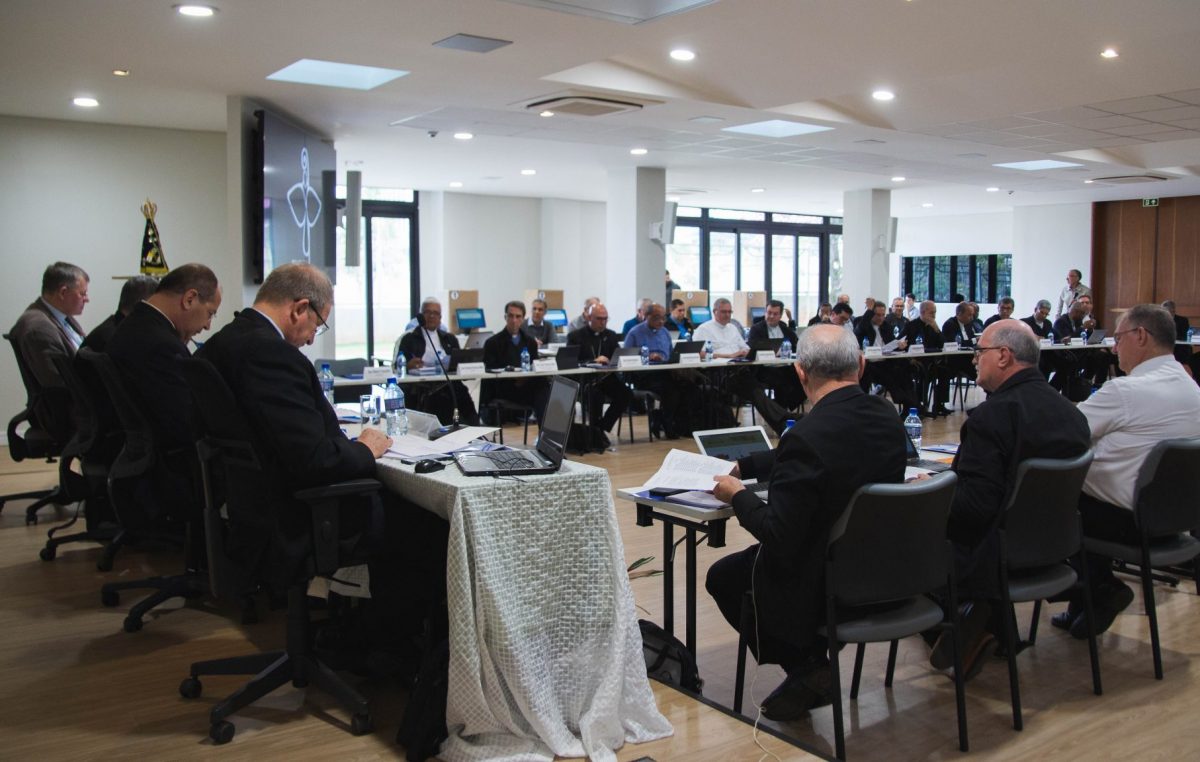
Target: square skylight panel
<point>1032,166</point>
<point>776,128</point>
<point>308,71</point>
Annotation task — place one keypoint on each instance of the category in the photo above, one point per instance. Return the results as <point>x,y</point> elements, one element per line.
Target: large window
<point>375,299</point>
<point>792,257</point>
<point>982,278</point>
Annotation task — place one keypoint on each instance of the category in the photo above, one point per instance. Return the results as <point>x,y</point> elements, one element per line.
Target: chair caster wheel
<point>361,724</point>
<point>48,553</point>
<point>132,624</point>
<point>104,564</point>
<point>110,598</point>
<point>30,521</point>
<point>221,732</point>
<point>190,688</point>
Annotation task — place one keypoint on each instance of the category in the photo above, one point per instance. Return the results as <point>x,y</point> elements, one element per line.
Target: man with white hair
<point>819,464</point>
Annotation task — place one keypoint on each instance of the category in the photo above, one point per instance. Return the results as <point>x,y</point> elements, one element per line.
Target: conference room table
<point>545,650</point>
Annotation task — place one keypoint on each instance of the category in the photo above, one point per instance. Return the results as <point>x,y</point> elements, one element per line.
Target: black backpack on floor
<point>668,660</point>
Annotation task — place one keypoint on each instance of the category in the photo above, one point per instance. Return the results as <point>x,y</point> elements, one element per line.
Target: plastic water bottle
<point>920,340</point>
<point>395,414</point>
<point>401,365</point>
<point>913,427</point>
<point>1190,333</point>
<point>645,355</point>
<point>785,350</point>
<point>326,378</point>
<point>866,345</point>
<point>683,334</point>
<point>1083,336</point>
<point>526,365</point>
<point>1050,336</point>
<point>788,426</point>
<point>708,349</point>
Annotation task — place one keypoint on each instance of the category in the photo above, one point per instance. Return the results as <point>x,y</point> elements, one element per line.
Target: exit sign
<point>1149,202</point>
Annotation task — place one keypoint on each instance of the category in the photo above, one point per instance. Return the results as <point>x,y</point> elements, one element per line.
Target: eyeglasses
<point>981,350</point>
<point>1116,337</point>
<point>322,326</point>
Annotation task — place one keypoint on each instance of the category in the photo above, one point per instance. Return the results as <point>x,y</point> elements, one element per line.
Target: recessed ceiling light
<point>120,72</point>
<point>776,128</point>
<point>196,11</point>
<point>899,179</point>
<point>455,184</point>
<point>883,95</point>
<point>547,113</point>
<point>310,71</point>
<point>1109,53</point>
<point>528,172</point>
<point>758,190</point>
<point>1033,166</point>
<point>682,54</point>
<point>992,189</point>
<point>463,135</point>
<point>1088,182</point>
<point>638,151</point>
<point>85,102</point>
<point>926,205</point>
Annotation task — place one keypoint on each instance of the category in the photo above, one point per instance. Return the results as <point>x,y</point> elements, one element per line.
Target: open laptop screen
<point>556,421</point>
<point>731,444</point>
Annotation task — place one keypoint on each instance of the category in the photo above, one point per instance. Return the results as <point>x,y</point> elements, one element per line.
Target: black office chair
<point>94,446</point>
<point>1167,511</point>
<point>1039,531</point>
<point>46,417</point>
<point>128,476</point>
<point>888,547</point>
<point>256,506</point>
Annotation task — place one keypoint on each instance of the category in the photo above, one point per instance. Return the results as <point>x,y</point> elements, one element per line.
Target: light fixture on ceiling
<point>463,135</point>
<point>638,151</point>
<point>776,128</point>
<point>529,172</point>
<point>1110,53</point>
<point>85,102</point>
<point>926,205</point>
<point>706,119</point>
<point>883,95</point>
<point>682,54</point>
<point>758,190</point>
<point>311,71</point>
<point>455,184</point>
<point>992,189</point>
<point>1037,164</point>
<point>120,72</point>
<point>196,11</point>
<point>547,113</point>
<point>899,179</point>
<point>1088,182</point>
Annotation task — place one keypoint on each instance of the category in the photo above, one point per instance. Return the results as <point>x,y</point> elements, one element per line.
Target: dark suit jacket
<point>412,344</point>
<point>758,332</point>
<point>864,330</point>
<point>816,468</point>
<point>592,345</point>
<point>98,338</point>
<point>1025,418</point>
<point>1182,325</point>
<point>146,350</point>
<point>1064,327</point>
<point>499,351</point>
<point>1041,332</point>
<point>950,331</point>
<point>931,336</point>
<point>40,337</point>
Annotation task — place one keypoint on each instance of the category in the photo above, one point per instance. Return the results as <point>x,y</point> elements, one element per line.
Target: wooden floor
<point>73,685</point>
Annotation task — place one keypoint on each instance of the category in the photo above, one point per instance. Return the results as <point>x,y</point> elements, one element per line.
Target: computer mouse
<point>428,466</point>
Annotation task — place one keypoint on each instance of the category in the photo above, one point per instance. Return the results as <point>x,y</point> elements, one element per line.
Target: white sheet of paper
<point>544,364</point>
<point>470,369</point>
<point>687,470</point>
<point>693,357</point>
<point>629,361</point>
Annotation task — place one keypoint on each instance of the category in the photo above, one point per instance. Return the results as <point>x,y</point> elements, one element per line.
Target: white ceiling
<point>977,82</point>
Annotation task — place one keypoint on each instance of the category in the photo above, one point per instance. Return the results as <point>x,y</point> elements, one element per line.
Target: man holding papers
<point>812,474</point>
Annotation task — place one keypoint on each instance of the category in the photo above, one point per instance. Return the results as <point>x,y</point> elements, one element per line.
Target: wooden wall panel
<point>1124,239</point>
<point>1177,270</point>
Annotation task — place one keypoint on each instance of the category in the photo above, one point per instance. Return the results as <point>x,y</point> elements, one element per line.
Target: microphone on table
<point>454,425</point>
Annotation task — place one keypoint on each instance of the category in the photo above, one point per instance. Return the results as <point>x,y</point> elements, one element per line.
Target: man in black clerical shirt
<point>504,351</point>
<point>598,344</point>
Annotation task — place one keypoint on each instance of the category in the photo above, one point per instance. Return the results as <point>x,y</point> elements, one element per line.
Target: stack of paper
<point>687,470</point>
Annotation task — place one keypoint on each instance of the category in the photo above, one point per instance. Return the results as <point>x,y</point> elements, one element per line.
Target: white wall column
<point>866,221</point>
<point>634,264</point>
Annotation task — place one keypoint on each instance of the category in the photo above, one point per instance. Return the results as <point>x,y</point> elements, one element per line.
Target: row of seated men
<point>258,355</point>
<point>819,464</point>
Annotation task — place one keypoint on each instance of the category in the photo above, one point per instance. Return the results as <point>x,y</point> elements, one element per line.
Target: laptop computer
<point>567,356</point>
<point>551,443</point>
<point>916,461</point>
<point>685,348</point>
<point>477,340</point>
<point>459,356</point>
<point>731,444</point>
<point>614,361</point>
<point>767,345</point>
<point>1097,336</point>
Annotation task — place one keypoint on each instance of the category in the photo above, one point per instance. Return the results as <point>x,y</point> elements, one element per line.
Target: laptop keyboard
<point>508,459</point>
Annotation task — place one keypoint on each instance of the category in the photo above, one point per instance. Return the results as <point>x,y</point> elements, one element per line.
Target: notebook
<point>551,443</point>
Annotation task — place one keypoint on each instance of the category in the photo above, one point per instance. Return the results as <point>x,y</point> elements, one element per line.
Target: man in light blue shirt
<point>677,389</point>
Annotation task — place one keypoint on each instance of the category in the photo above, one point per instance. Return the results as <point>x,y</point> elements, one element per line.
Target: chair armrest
<point>338,490</point>
<point>325,505</point>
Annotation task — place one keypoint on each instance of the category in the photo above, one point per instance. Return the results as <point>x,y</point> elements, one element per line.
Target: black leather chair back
<point>1165,499</point>
<point>137,454</point>
<point>890,543</point>
<point>1041,520</point>
<point>48,415</point>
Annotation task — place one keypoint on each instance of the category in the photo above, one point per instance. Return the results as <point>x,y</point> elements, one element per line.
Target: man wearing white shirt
<point>725,336</point>
<point>1128,416</point>
<point>1072,291</point>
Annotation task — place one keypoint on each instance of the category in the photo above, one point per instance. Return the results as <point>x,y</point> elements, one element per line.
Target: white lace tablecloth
<point>545,651</point>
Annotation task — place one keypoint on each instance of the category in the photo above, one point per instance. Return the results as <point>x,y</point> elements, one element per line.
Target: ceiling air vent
<point>1129,179</point>
<point>584,105</point>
